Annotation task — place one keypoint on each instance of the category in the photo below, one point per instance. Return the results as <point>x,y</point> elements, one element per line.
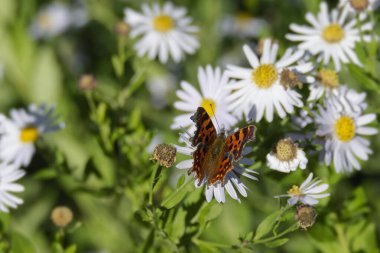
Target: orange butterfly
<point>216,154</point>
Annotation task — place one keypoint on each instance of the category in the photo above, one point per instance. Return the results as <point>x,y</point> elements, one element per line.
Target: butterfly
<point>215,154</point>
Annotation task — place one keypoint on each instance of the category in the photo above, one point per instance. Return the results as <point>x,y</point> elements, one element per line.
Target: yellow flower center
<point>344,128</point>
<point>328,78</point>
<point>359,5</point>
<point>264,76</point>
<point>295,191</point>
<point>209,105</point>
<point>286,150</point>
<point>29,134</point>
<point>333,33</point>
<point>163,23</point>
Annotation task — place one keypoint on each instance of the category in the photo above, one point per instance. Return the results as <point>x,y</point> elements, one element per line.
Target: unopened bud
<point>61,216</point>
<point>359,5</point>
<point>306,216</point>
<point>289,79</point>
<point>87,82</point>
<point>165,154</point>
<point>122,28</point>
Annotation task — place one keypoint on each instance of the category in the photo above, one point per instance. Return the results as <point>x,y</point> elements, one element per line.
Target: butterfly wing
<point>237,140</point>
<point>203,138</point>
<point>232,150</point>
<point>205,130</point>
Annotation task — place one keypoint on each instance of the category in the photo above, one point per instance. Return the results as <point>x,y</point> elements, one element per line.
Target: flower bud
<point>359,5</point>
<point>61,216</point>
<point>87,82</point>
<point>122,29</point>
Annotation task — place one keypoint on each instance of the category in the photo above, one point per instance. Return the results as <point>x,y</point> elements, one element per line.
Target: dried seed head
<point>306,216</point>
<point>285,150</point>
<point>87,82</point>
<point>289,79</point>
<point>165,154</point>
<point>61,216</point>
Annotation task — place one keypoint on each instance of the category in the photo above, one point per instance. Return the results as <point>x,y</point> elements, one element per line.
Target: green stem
<point>342,239</point>
<point>154,179</point>
<point>214,244</point>
<point>286,231</point>
<point>90,101</point>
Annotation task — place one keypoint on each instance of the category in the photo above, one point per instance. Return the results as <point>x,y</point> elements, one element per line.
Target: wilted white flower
<point>163,30</point>
<point>286,156</point>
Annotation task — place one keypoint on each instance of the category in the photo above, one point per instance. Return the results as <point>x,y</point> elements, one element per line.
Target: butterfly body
<point>216,154</point>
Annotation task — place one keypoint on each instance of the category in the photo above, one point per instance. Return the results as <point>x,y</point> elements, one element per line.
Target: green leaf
<point>181,181</point>
<point>277,242</point>
<point>45,174</point>
<point>22,244</point>
<point>209,212</point>
<point>177,196</point>
<point>71,249</point>
<point>266,225</point>
<point>363,78</point>
<point>56,248</point>
<point>4,221</point>
<point>176,228</point>
<point>365,241</point>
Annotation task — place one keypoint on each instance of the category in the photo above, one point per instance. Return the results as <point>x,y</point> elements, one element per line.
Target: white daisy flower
<point>164,31</point>
<point>286,156</point>
<point>55,19</point>
<point>9,173</point>
<point>348,100</point>
<point>327,81</point>
<point>332,36</point>
<point>343,132</point>
<point>212,98</point>
<point>231,179</point>
<point>259,91</point>
<point>355,6</point>
<point>308,193</point>
<point>302,119</point>
<point>20,132</point>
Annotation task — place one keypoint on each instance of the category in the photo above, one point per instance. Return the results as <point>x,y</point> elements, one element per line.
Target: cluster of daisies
<point>18,135</point>
<point>269,87</point>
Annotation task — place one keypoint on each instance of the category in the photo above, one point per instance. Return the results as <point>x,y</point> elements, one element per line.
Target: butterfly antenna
<point>216,120</point>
